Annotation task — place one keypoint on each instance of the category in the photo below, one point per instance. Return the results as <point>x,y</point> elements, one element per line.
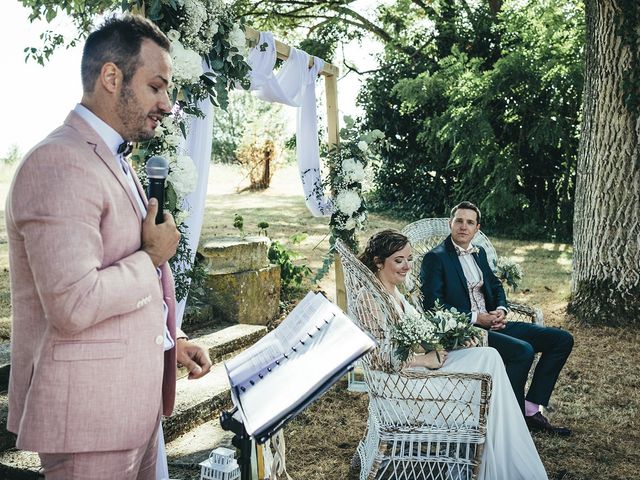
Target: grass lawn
<point>597,394</point>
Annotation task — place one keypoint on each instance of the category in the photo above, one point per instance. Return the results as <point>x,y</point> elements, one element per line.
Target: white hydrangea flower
<point>362,145</point>
<point>173,140</point>
<point>350,224</point>
<point>183,175</point>
<point>237,38</point>
<point>353,170</point>
<point>377,133</point>
<point>173,35</point>
<point>348,202</point>
<point>187,64</point>
<point>181,216</point>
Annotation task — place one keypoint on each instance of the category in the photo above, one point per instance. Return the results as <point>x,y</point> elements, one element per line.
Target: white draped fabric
<point>198,147</point>
<point>294,85</point>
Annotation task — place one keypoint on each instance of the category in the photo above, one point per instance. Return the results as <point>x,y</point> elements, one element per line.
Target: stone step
<point>5,365</point>
<point>197,401</point>
<point>226,341</point>
<point>19,465</point>
<point>184,454</point>
<point>193,447</point>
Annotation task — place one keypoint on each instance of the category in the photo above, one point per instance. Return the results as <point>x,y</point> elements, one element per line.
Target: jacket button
<point>159,340</point>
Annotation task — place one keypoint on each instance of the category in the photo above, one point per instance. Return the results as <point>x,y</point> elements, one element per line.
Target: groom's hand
<point>500,319</point>
<point>486,320</point>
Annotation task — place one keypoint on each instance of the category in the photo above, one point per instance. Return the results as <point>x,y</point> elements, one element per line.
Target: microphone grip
<point>156,190</point>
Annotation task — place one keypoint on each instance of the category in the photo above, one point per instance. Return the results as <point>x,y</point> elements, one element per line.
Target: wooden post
<point>330,73</point>
<point>333,127</point>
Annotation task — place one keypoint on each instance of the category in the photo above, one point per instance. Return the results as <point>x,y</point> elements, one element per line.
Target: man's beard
<point>132,117</point>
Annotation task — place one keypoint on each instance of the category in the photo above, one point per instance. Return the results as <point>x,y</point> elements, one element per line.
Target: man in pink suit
<point>94,339</point>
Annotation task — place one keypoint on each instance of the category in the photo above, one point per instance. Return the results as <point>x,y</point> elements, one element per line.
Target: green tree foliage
<point>246,120</point>
<point>479,100</point>
<point>489,112</point>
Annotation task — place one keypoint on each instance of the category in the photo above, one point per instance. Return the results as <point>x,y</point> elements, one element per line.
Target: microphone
<point>157,170</point>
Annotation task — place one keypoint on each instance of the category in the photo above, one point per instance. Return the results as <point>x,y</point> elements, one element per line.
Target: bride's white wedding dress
<point>509,452</point>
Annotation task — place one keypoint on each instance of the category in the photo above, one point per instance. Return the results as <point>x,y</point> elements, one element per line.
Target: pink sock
<point>530,408</point>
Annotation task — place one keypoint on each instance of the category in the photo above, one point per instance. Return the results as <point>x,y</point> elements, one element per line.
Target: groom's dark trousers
<point>442,279</point>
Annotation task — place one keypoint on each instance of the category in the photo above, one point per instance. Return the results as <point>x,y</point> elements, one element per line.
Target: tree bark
<point>606,257</point>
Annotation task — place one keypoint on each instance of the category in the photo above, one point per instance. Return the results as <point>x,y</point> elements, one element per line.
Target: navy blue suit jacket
<point>442,279</point>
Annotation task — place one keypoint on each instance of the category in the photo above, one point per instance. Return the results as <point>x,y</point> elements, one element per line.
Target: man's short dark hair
<point>118,40</point>
<point>467,206</point>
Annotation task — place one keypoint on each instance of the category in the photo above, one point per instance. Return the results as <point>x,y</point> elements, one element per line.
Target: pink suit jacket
<point>88,361</point>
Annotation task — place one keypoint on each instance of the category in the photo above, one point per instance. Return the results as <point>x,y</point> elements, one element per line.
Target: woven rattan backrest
<point>370,306</point>
<point>427,233</point>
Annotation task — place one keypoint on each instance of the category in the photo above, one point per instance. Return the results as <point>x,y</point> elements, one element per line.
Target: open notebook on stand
<point>294,364</point>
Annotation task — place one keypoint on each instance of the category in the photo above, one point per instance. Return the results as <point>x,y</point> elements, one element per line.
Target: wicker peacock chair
<point>422,424</point>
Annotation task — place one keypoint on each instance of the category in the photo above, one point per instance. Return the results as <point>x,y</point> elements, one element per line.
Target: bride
<point>509,452</point>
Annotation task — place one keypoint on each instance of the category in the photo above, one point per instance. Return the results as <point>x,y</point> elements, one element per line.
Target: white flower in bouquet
<point>353,170</point>
<point>183,175</point>
<point>362,145</point>
<point>377,134</point>
<point>414,333</point>
<point>187,64</point>
<point>413,329</point>
<point>450,324</point>
<point>348,202</point>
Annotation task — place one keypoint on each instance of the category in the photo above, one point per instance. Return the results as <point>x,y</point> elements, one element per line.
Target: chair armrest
<point>525,313</point>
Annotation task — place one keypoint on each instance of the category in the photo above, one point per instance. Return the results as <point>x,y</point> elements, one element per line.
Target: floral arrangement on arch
<point>509,272</point>
<point>347,164</point>
<point>200,31</point>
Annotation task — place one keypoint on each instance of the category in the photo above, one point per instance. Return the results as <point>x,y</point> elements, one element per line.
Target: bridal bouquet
<point>440,329</point>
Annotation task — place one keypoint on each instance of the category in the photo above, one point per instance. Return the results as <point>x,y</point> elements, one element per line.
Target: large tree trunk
<point>606,265</point>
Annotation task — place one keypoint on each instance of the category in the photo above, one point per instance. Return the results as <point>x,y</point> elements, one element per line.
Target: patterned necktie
<point>461,252</point>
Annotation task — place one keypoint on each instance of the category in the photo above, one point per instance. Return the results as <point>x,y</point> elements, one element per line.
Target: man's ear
<point>110,77</point>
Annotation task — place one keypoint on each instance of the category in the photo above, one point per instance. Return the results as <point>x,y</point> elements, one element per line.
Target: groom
<point>457,274</point>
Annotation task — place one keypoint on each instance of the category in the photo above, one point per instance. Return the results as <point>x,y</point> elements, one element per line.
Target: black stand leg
<point>241,440</point>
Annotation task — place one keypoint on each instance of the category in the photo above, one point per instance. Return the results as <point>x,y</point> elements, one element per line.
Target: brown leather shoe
<point>539,423</point>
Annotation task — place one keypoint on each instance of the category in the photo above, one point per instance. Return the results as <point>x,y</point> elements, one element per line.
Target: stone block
<point>235,254</point>
<point>251,297</point>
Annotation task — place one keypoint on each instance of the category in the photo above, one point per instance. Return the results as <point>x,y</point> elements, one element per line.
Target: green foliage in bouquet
<point>439,329</point>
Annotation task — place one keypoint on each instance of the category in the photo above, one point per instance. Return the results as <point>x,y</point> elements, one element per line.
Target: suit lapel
<point>453,256</point>
<point>104,154</point>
